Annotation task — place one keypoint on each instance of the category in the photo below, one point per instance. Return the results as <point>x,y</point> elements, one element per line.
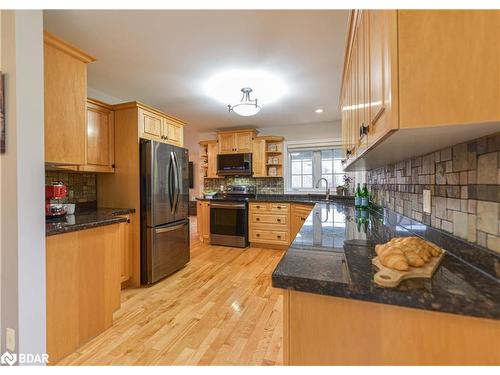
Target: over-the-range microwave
<point>234,164</point>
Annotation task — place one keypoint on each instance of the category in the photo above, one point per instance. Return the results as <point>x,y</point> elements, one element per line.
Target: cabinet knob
<point>278,220</point>
<point>303,218</point>
<point>278,236</point>
<point>258,219</point>
<point>257,206</point>
<point>128,221</point>
<point>279,207</point>
<point>258,235</point>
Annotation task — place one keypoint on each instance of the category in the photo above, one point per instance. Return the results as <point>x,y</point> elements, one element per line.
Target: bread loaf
<point>401,252</point>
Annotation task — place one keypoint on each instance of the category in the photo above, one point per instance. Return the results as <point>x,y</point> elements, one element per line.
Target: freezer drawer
<point>166,251</point>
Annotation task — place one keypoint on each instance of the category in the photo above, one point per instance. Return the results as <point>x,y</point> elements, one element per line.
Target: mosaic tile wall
<point>271,185</point>
<point>465,185</point>
<point>81,186</point>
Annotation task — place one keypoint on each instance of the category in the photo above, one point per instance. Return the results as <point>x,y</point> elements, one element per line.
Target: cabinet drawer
<point>259,207</point>
<point>267,236</point>
<point>279,207</point>
<point>258,218</point>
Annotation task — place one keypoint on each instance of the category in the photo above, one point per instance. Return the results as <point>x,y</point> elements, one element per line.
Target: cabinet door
<point>381,26</point>
<point>151,125</point>
<point>362,89</point>
<point>244,141</point>
<point>100,139</point>
<point>199,221</point>
<point>227,143</point>
<point>173,132</point>
<point>259,158</point>
<point>126,251</point>
<point>65,81</point>
<point>212,160</point>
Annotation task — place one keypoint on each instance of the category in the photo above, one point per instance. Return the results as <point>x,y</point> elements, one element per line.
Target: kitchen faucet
<point>327,188</point>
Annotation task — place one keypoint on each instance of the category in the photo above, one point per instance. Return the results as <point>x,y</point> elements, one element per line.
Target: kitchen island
<point>335,314</point>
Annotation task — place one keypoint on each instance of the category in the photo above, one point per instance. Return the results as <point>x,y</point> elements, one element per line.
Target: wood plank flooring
<point>218,310</point>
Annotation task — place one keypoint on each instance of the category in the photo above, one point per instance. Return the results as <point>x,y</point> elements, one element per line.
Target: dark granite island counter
<point>335,314</point>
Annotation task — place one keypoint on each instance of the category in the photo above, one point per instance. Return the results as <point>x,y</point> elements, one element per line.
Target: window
<point>305,167</point>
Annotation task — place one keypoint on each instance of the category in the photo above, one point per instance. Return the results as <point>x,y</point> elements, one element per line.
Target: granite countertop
<point>332,256</point>
<point>293,198</point>
<point>86,219</point>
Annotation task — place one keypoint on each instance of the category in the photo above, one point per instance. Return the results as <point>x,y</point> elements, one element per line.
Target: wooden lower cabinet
<point>298,215</point>
<point>203,215</point>
<point>127,250</point>
<point>269,224</point>
<point>324,330</point>
<point>82,286</point>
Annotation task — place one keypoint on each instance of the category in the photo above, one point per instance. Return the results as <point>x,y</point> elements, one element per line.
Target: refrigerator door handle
<point>176,180</point>
<point>169,229</point>
<point>169,184</point>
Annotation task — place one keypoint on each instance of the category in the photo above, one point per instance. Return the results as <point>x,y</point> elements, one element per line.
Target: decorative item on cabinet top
<point>389,97</point>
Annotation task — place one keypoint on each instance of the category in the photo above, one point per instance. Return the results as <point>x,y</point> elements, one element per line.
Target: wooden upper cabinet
<point>150,125</point>
<point>173,132</point>
<point>244,141</point>
<point>100,138</point>
<point>449,67</point>
<point>212,159</point>
<point>155,125</point>
<point>227,143</point>
<point>259,158</point>
<point>236,142</point>
<point>65,95</point>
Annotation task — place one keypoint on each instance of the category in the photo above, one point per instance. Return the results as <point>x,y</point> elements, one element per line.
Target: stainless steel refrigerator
<point>164,210</point>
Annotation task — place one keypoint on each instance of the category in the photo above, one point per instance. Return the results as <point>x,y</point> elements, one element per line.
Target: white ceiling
<point>164,58</point>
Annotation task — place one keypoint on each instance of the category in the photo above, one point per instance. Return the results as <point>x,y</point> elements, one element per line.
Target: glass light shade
<point>246,109</point>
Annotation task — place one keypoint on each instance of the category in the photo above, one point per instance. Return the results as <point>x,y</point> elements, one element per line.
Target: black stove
<point>229,216</point>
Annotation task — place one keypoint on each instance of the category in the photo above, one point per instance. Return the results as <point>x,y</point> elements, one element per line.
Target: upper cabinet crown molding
<point>54,41</point>
<point>415,74</point>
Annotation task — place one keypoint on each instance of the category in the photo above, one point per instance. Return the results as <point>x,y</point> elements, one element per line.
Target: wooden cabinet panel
<point>127,251</point>
<point>449,67</point>
<point>203,215</point>
<point>100,139</point>
<point>279,207</point>
<point>212,149</point>
<point>65,94</point>
<point>269,236</point>
<point>150,125</point>
<point>244,141</point>
<point>259,158</point>
<point>257,218</point>
<point>83,286</point>
<point>227,143</point>
<point>269,224</point>
<point>174,132</point>
<point>298,215</point>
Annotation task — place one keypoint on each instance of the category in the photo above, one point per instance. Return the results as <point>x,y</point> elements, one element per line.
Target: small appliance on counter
<point>53,195</point>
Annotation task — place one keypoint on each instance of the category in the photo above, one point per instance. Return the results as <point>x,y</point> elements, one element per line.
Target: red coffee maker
<point>53,195</point>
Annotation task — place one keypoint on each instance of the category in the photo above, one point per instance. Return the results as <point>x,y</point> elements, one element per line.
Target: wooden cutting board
<point>391,278</point>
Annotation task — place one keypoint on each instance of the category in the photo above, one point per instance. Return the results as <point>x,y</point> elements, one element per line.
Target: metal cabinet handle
<point>363,130</point>
<point>169,229</point>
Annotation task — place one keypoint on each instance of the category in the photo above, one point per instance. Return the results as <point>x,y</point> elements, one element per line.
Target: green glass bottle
<point>365,197</point>
<point>357,197</point>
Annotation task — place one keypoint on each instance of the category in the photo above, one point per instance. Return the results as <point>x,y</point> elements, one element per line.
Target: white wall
<point>311,131</point>
<point>103,97</point>
<point>22,182</point>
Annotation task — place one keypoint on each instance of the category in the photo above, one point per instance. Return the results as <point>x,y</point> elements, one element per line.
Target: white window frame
<point>312,145</point>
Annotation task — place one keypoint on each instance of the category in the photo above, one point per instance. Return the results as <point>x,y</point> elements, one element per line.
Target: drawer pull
<point>303,218</point>
<point>257,218</point>
<point>278,220</point>
<point>279,207</point>
<point>278,236</point>
<point>257,206</point>
<point>258,235</point>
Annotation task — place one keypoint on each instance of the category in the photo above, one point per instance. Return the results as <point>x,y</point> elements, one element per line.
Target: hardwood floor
<point>218,310</point>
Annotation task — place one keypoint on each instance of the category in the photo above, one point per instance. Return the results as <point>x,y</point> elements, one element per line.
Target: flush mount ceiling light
<point>319,110</point>
<point>226,87</point>
<point>247,106</point>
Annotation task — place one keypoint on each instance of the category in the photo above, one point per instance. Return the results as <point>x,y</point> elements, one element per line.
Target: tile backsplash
<point>464,181</point>
<point>268,185</point>
<point>82,187</point>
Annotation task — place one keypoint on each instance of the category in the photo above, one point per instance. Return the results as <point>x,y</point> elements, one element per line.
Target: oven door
<point>229,224</point>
